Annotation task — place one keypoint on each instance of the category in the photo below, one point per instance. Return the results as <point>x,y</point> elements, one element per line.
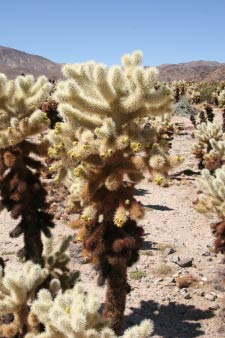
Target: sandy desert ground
<point>175,234</point>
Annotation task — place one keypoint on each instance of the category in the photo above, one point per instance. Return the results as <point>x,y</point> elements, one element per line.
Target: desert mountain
<point>194,70</point>
<point>14,62</point>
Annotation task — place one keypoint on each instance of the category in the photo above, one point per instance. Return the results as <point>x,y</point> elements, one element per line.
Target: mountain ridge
<point>13,62</point>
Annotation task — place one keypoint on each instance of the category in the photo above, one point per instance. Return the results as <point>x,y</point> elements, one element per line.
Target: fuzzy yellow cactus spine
<point>98,145</point>
<point>21,189</point>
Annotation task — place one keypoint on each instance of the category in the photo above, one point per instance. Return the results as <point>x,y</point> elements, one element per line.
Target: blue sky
<point>167,31</point>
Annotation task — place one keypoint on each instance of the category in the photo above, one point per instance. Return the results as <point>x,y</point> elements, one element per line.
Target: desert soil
<point>171,224</point>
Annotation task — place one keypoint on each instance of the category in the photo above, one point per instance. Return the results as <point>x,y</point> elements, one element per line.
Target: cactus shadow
<point>141,192</point>
<point>148,245</point>
<point>186,172</point>
<point>170,321</point>
<point>157,207</point>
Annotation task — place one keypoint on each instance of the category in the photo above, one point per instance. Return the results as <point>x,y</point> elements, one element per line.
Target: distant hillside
<point>194,70</point>
<point>14,62</point>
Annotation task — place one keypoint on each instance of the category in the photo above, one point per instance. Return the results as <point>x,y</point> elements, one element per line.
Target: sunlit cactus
<point>37,304</point>
<point>210,149</point>
<point>21,190</point>
<point>211,200</point>
<point>19,287</point>
<point>179,89</point>
<point>99,151</point>
<point>74,313</point>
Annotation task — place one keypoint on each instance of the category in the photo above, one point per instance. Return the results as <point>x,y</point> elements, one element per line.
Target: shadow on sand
<point>170,321</point>
<point>157,207</point>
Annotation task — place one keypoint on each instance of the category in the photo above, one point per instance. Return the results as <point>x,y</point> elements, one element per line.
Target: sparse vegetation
<point>137,274</point>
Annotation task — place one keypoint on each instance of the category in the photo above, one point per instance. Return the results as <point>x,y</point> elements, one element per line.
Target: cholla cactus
<point>50,108</point>
<point>179,89</point>
<point>203,116</point>
<point>56,261</point>
<point>75,314</point>
<point>98,145</point>
<point>20,186</point>
<point>52,313</point>
<point>193,93</point>
<point>18,287</point>
<point>212,200</point>
<point>160,162</point>
<point>221,99</point>
<point>210,147</point>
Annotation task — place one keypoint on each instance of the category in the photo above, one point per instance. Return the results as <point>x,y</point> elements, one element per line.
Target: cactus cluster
<point>210,149</point>
<point>179,89</point>
<point>206,114</point>
<point>158,156</point>
<point>19,287</point>
<point>21,190</point>
<point>99,150</point>
<point>37,302</point>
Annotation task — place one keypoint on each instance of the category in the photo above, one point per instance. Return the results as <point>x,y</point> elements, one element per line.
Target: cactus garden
<point>112,169</point>
<point>112,204</point>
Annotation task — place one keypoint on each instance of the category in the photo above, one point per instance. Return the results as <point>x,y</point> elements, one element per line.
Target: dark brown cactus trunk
<point>23,195</point>
<point>116,293</point>
<point>113,249</point>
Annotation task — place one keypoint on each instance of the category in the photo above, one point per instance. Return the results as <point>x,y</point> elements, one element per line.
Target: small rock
<point>204,279</point>
<point>170,279</point>
<point>185,262</point>
<point>209,296</point>
<point>175,259</point>
<point>214,307</point>
<point>200,293</point>
<point>206,253</point>
<point>168,251</point>
<point>158,280</point>
<point>184,292</point>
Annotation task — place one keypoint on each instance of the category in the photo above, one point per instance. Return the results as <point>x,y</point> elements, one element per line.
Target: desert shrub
<point>184,108</point>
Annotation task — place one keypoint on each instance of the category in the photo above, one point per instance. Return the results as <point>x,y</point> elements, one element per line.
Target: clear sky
<point>167,31</point>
